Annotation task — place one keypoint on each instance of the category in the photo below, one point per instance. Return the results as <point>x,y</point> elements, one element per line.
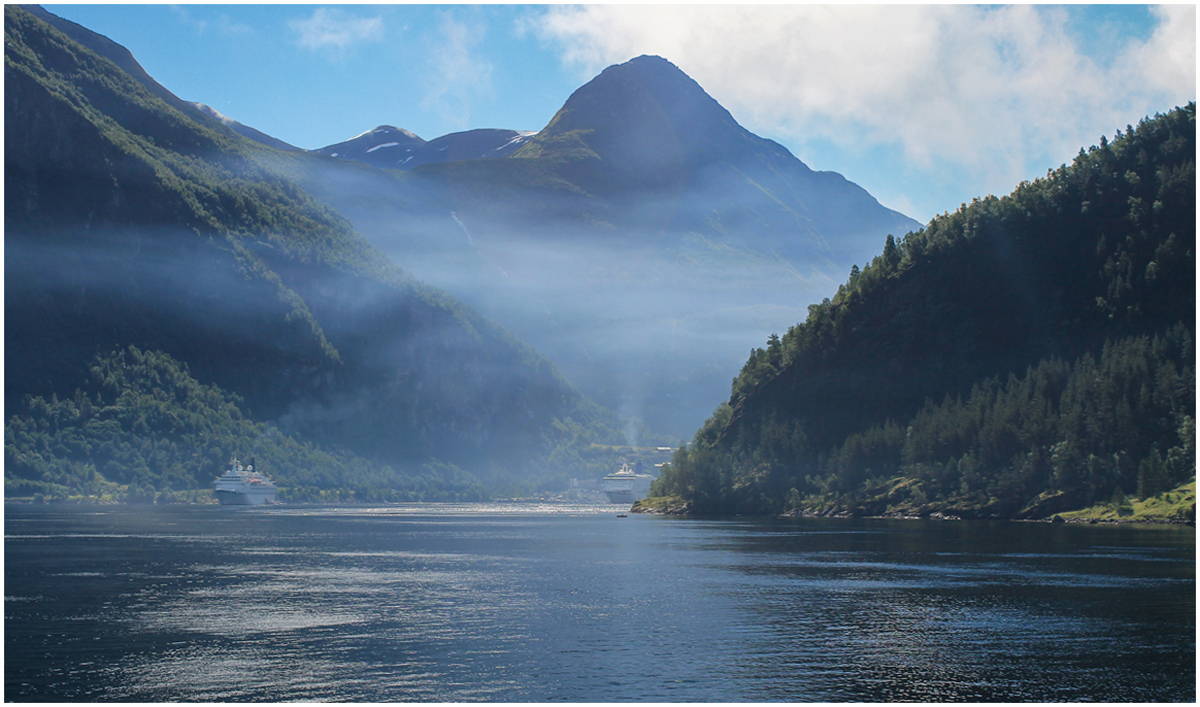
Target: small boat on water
<point>243,486</point>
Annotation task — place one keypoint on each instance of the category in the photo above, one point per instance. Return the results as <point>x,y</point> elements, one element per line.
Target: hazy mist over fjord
<point>643,240</point>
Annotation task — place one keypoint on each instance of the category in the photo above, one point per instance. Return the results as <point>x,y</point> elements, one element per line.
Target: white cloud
<point>1167,61</point>
<point>333,27</point>
<point>223,24</point>
<point>457,74</point>
<point>991,90</point>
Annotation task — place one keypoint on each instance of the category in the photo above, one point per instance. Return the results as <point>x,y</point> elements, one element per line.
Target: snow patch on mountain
<point>369,147</point>
<point>517,140</point>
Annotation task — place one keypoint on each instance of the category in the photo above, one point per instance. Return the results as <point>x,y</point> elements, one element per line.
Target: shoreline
<point>679,508</point>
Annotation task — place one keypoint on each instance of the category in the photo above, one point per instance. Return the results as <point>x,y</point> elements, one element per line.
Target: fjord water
<point>553,602</point>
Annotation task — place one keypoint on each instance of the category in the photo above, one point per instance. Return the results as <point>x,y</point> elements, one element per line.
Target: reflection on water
<point>542,602</point>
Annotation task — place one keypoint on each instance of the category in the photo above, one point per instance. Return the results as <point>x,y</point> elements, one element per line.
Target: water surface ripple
<point>546,602</point>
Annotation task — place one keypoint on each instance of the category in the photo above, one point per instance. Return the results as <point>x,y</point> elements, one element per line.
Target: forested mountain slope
<point>131,221</point>
<point>1022,355</point>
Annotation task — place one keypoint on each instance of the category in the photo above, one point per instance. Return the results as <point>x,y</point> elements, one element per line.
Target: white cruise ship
<point>243,486</point>
<point>626,485</point>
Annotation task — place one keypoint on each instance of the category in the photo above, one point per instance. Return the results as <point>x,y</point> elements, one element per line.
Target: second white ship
<point>625,485</point>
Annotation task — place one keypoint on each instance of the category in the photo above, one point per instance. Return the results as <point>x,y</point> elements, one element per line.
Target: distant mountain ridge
<point>398,146</point>
<point>389,147</point>
<point>646,125</point>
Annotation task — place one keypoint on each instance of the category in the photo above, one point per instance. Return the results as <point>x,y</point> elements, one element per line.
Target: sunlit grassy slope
<point>1177,504</point>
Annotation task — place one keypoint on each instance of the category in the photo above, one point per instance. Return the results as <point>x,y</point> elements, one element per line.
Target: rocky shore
<point>674,505</point>
<point>661,505</point>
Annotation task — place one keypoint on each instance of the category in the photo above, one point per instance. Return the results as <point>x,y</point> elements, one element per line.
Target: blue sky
<point>924,106</point>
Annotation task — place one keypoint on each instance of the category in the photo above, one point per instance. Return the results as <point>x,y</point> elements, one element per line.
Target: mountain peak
<point>652,66</point>
<point>648,62</point>
<point>384,130</point>
<point>384,146</point>
<point>646,88</point>
<point>645,118</point>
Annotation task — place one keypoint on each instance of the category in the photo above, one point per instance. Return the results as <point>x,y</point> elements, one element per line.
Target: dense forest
<point>142,429</point>
<point>1022,356</point>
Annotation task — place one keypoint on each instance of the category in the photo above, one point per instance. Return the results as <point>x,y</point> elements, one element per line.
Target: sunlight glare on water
<point>546,602</point>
